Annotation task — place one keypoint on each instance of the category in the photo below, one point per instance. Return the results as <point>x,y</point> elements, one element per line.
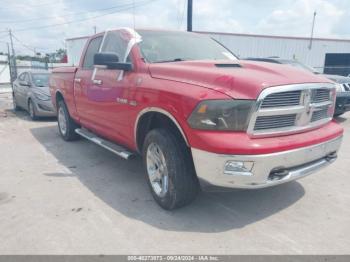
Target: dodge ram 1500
<point>199,117</point>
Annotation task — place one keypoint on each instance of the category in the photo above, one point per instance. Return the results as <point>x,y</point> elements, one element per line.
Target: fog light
<point>238,168</point>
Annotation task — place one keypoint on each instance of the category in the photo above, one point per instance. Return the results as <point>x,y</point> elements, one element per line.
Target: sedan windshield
<point>300,65</point>
<point>158,47</point>
<point>40,80</point>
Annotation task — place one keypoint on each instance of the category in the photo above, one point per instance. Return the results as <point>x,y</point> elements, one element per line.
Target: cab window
<point>117,42</point>
<point>92,49</point>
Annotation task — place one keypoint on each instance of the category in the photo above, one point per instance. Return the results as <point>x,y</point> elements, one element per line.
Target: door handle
<point>78,80</point>
<point>97,81</point>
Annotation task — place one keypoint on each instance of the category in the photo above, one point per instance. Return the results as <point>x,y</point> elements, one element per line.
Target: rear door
<point>83,85</point>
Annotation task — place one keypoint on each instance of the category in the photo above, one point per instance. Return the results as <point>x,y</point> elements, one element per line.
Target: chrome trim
<point>303,111</point>
<point>157,110</point>
<point>97,81</point>
<point>298,162</point>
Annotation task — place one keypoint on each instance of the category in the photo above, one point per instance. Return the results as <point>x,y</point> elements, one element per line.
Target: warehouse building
<point>330,56</point>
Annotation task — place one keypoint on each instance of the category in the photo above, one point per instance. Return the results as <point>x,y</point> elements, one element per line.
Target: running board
<point>114,148</point>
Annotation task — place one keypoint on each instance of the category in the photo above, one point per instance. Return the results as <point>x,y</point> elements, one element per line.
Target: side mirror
<point>110,61</point>
<point>24,83</point>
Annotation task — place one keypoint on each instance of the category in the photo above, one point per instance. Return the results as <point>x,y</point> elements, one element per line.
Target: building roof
<point>274,36</point>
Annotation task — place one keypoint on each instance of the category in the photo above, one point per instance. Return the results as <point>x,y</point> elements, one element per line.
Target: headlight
<point>42,97</point>
<point>339,87</point>
<point>233,115</point>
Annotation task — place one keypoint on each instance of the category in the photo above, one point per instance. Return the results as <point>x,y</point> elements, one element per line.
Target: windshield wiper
<point>172,60</point>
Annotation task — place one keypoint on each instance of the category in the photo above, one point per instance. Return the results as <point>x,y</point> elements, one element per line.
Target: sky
<point>43,25</point>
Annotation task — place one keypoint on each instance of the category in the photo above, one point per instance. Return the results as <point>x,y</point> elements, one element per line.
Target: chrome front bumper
<point>44,108</point>
<point>268,169</point>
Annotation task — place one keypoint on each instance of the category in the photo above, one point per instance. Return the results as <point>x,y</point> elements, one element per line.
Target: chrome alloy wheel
<point>157,170</point>
<point>62,122</point>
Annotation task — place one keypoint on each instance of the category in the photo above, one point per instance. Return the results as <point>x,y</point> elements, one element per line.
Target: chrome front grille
<point>320,114</point>
<point>346,87</point>
<point>291,98</point>
<point>320,95</point>
<point>270,122</point>
<point>292,108</point>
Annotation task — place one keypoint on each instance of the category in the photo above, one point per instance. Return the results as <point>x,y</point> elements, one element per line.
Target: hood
<point>43,90</point>
<point>338,79</point>
<point>238,79</point>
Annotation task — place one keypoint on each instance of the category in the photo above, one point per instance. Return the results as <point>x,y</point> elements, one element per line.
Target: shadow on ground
<point>121,185</point>
<point>24,115</point>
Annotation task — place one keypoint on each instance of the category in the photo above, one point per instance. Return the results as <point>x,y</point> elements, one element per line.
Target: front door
<point>110,90</point>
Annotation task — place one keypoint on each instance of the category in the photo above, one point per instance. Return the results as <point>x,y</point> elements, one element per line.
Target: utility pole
<point>189,15</point>
<point>13,57</point>
<point>95,29</point>
<point>9,61</point>
<point>312,30</point>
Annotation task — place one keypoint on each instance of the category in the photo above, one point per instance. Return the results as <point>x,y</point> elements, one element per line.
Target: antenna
<point>312,30</point>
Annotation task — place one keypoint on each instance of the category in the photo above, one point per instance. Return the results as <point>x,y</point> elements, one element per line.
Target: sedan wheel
<point>31,110</point>
<point>15,106</point>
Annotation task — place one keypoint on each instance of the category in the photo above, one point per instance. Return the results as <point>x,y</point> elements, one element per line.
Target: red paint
<point>242,144</point>
<point>177,88</point>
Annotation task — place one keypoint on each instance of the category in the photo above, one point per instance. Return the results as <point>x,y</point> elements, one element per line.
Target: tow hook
<point>331,157</point>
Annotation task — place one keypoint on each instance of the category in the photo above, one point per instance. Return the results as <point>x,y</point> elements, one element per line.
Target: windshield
<point>40,80</point>
<point>157,47</point>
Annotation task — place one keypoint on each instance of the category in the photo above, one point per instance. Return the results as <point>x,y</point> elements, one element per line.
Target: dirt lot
<point>76,198</point>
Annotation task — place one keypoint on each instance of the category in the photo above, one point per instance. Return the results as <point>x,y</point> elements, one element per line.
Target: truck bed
<point>62,83</point>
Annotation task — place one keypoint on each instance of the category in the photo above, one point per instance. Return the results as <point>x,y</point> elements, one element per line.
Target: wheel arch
<point>144,120</point>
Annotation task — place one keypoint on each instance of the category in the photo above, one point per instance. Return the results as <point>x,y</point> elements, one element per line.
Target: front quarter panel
<point>177,99</point>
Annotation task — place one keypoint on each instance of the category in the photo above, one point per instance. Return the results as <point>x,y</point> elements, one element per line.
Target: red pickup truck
<point>199,117</point>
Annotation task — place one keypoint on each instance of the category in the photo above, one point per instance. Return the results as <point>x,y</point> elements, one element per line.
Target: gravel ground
<point>76,198</point>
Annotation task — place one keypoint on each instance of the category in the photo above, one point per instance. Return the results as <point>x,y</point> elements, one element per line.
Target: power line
<point>66,15</point>
<point>16,6</point>
<point>182,14</point>
<point>81,20</point>
<point>24,45</point>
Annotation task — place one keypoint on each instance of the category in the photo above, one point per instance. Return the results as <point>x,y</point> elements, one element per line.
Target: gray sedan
<point>31,92</point>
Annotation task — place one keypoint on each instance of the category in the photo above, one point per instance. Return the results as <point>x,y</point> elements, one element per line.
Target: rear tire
<point>168,160</point>
<point>15,105</point>
<point>31,110</point>
<point>66,124</point>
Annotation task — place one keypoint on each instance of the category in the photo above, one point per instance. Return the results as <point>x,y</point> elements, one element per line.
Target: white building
<point>75,47</point>
<point>332,53</point>
<point>4,70</point>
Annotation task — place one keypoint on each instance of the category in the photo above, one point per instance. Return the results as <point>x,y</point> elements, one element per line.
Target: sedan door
<point>20,90</point>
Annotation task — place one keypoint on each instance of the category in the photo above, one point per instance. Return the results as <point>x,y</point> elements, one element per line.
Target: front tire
<point>169,168</point>
<point>31,110</point>
<point>14,101</point>
<point>66,124</point>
